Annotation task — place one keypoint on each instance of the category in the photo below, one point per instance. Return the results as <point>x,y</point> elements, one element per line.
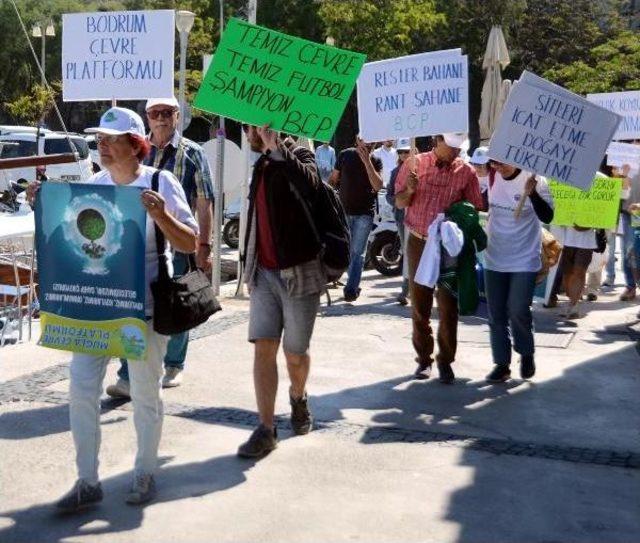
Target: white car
<point>17,129</point>
<point>49,143</point>
<point>93,151</point>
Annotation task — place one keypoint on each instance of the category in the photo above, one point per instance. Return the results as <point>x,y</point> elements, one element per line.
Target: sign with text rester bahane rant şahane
<point>126,55</point>
<point>259,76</point>
<point>415,95</point>
<point>550,131</point>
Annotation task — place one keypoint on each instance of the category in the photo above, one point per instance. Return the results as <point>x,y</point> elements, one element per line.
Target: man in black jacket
<point>285,278</point>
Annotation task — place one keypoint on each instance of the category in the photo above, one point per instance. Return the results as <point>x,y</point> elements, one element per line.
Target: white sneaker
<point>143,489</point>
<point>120,389</point>
<point>172,377</point>
<point>572,312</point>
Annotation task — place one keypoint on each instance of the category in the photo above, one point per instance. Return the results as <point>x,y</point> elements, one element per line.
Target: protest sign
<point>117,54</point>
<point>415,95</point>
<point>259,76</point>
<point>595,208</point>
<point>90,241</point>
<point>550,131</point>
<point>627,105</point>
<point>619,154</point>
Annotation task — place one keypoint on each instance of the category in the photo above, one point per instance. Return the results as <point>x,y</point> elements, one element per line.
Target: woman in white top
<point>512,261</point>
<point>122,146</point>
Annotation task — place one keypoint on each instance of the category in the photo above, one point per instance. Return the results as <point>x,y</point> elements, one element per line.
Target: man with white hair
<point>188,162</point>
<point>428,184</point>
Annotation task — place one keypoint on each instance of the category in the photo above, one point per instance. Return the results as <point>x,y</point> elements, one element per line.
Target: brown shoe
<point>262,441</point>
<point>628,295</point>
<point>301,419</point>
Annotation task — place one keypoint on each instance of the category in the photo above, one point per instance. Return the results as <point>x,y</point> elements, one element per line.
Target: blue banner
<point>90,242</point>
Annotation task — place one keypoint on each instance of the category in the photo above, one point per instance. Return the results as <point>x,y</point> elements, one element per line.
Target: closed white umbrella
<point>496,58</point>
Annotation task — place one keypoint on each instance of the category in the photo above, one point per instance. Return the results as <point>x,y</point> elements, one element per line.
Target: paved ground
<point>392,459</point>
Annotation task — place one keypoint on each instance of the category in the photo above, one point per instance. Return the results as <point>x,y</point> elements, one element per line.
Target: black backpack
<point>329,223</point>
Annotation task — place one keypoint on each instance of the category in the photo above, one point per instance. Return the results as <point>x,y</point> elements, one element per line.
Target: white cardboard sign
<point>627,105</point>
<point>117,54</point>
<point>415,95</point>
<point>619,154</point>
<point>547,130</point>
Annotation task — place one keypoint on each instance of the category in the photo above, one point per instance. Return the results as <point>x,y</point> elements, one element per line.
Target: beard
<point>256,146</point>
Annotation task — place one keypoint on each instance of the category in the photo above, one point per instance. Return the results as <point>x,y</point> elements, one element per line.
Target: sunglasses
<point>164,113</point>
<point>106,138</point>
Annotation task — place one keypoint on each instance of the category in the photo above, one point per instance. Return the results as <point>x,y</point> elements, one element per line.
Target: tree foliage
<point>31,107</point>
<point>382,28</point>
<point>578,43</point>
<point>612,66</point>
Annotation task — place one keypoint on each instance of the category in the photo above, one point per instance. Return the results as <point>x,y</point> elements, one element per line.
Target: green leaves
<point>611,66</point>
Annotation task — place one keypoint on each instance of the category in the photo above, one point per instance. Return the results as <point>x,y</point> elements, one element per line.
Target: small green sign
<point>595,208</point>
<point>259,76</point>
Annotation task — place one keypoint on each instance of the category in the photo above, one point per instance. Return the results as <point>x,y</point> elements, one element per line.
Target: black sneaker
<point>527,367</point>
<point>301,419</point>
<point>446,375</point>
<point>423,371</point>
<point>500,374</point>
<point>350,296</point>
<point>81,496</point>
<point>261,443</point>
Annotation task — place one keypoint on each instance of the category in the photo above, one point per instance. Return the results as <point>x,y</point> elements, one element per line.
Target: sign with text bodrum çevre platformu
<point>124,55</point>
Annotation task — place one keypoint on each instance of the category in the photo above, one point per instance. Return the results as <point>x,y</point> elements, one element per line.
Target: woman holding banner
<point>512,261</point>
<point>122,146</point>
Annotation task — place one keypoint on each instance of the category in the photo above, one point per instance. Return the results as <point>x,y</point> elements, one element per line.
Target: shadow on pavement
<point>175,482</point>
<point>593,405</point>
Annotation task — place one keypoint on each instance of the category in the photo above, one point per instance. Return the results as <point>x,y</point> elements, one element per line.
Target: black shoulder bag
<point>179,304</point>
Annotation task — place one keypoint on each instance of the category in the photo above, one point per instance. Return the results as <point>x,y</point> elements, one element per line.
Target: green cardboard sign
<point>261,76</point>
<point>595,208</point>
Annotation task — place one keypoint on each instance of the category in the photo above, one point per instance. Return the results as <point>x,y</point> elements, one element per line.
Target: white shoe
<point>143,489</point>
<point>572,312</point>
<point>120,389</point>
<point>172,377</point>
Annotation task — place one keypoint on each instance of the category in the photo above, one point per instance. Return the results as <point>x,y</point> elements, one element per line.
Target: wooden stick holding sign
<point>529,187</point>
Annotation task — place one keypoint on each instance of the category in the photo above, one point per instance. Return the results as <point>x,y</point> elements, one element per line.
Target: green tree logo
<point>91,225</point>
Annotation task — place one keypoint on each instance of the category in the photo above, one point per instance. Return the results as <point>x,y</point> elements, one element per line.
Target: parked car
<point>17,129</point>
<point>93,151</point>
<point>48,143</point>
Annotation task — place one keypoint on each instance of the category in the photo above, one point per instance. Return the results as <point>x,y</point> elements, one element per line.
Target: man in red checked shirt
<point>426,186</point>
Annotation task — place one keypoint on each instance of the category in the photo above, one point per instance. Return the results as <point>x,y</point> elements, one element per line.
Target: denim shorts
<point>273,313</point>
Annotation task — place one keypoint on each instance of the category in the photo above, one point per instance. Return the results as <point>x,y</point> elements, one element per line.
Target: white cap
<point>457,141</point>
<point>404,144</point>
<point>162,102</point>
<point>117,121</point>
<point>480,156</point>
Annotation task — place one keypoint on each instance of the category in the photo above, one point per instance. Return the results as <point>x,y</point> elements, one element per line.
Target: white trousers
<point>145,377</point>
